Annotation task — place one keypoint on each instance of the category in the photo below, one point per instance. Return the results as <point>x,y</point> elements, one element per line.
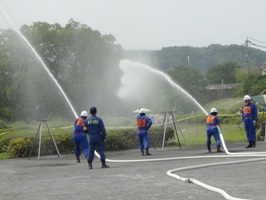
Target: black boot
<point>209,148</point>
<point>90,164</point>
<point>254,144</point>
<point>78,160</point>
<point>147,153</point>
<point>249,146</point>
<point>104,165</point>
<point>219,150</point>
<point>142,152</point>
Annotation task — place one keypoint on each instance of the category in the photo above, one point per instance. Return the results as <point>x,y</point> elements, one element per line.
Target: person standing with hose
<point>211,122</point>
<point>250,118</point>
<point>144,123</point>
<point>79,137</point>
<point>94,126</point>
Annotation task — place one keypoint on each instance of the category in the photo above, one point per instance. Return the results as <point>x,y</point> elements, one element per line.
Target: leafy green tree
<point>249,79</point>
<point>191,80</point>
<point>254,85</point>
<point>81,59</point>
<point>6,83</point>
<point>84,62</point>
<point>225,73</point>
<point>13,73</point>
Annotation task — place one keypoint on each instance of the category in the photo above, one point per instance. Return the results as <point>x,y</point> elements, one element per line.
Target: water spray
<point>170,172</point>
<point>166,77</point>
<point>40,59</point>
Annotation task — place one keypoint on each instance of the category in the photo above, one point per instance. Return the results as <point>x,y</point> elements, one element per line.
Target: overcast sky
<point>151,24</point>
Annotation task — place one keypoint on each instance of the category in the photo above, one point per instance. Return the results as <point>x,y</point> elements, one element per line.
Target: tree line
<point>86,64</point>
<point>194,68</point>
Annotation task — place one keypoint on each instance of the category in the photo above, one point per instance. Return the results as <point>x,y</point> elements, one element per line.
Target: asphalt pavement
<point>53,178</point>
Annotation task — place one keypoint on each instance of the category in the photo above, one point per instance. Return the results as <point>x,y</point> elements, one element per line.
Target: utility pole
<point>247,58</point>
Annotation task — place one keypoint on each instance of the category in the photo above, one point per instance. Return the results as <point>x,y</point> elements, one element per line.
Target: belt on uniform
<point>248,117</point>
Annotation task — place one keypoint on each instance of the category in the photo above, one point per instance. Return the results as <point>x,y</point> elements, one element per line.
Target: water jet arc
<point>40,59</point>
<point>166,77</point>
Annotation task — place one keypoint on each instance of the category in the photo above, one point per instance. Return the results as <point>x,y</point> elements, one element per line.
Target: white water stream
<point>41,61</point>
<point>173,84</point>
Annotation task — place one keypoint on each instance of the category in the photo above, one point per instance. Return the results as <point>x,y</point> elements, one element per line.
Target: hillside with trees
<point>201,58</point>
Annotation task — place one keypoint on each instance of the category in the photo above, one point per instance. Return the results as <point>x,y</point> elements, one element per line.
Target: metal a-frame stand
<point>39,133</point>
<point>164,125</point>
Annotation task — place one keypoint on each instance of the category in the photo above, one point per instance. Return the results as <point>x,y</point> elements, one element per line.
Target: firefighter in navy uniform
<point>144,123</point>
<point>94,126</point>
<point>79,137</point>
<point>211,122</point>
<point>250,118</point>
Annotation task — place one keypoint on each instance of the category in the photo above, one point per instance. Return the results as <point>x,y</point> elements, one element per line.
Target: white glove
<point>254,121</point>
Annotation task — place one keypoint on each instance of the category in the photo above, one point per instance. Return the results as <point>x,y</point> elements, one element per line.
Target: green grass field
<point>191,130</point>
<point>196,134</point>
